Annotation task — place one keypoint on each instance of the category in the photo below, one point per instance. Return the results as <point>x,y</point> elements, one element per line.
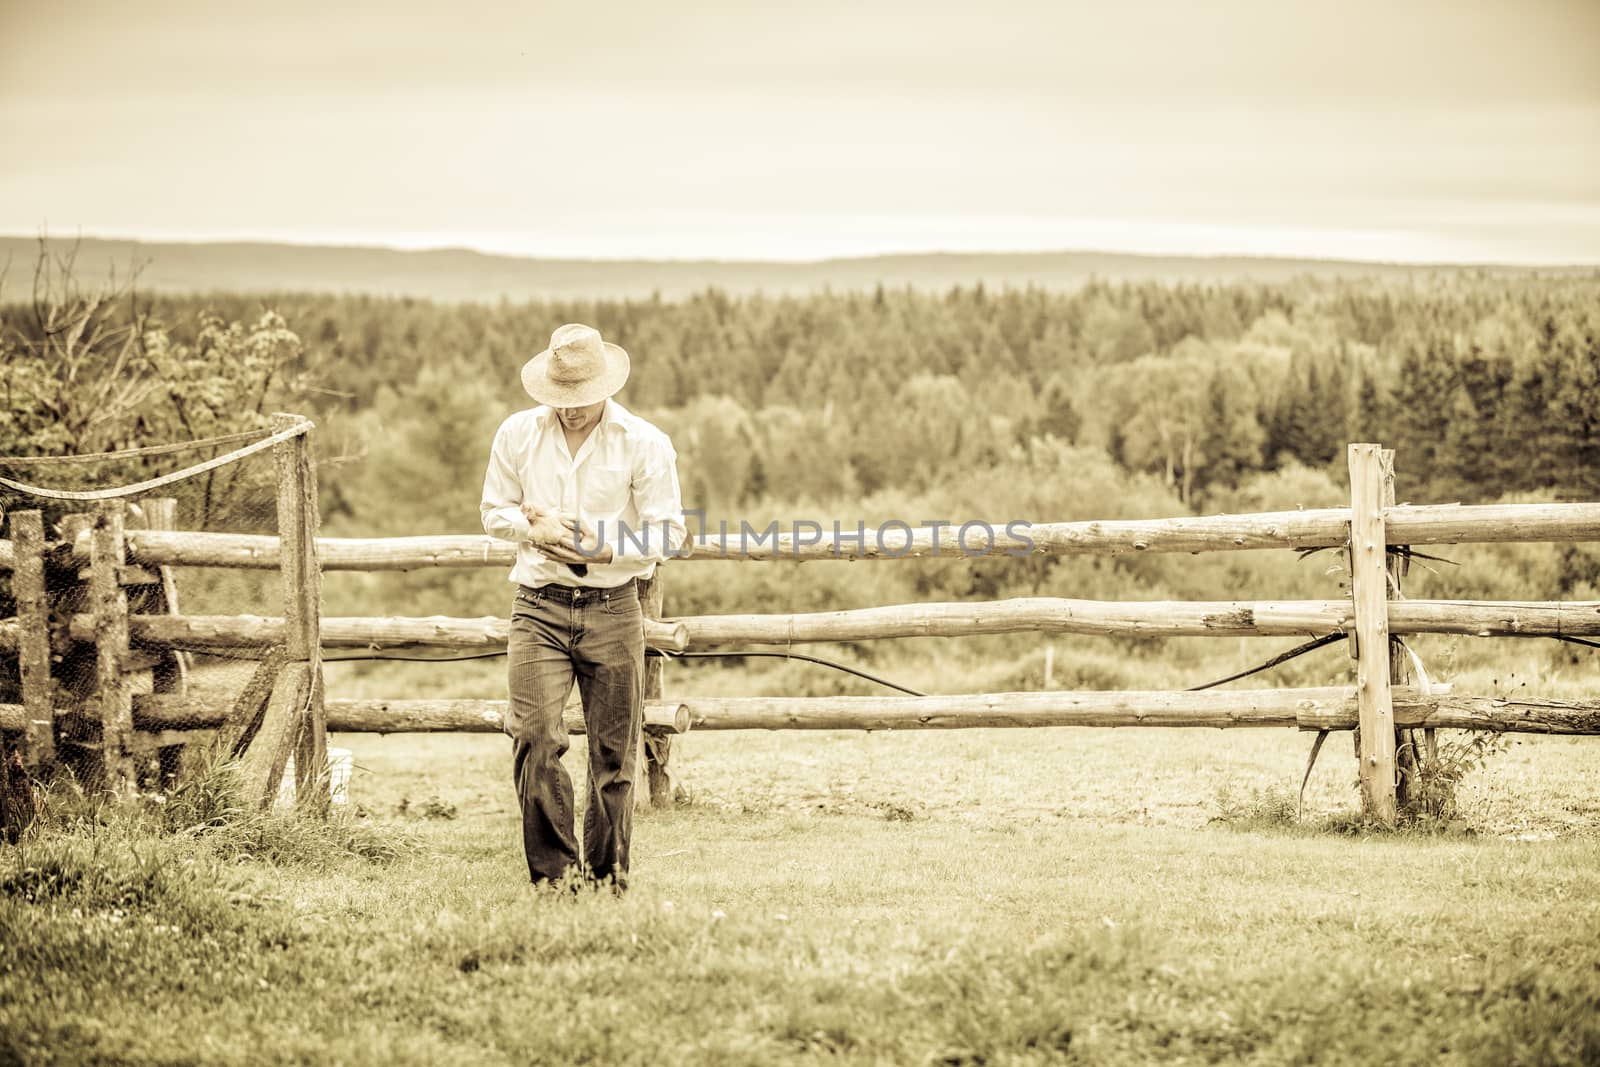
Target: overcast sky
<point>1454,130</point>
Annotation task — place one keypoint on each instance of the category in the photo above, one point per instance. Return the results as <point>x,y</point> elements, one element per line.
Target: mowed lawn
<point>964,897</point>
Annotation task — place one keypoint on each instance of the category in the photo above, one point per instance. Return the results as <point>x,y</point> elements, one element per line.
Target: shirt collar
<point>610,416</point>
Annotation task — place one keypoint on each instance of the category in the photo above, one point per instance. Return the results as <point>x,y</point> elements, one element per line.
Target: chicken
<point>17,804</point>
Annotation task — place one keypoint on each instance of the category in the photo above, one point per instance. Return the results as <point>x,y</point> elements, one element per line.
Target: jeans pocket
<point>627,604</point>
<point>525,602</point>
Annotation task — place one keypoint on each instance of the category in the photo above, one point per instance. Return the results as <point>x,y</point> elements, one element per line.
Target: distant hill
<point>462,274</point>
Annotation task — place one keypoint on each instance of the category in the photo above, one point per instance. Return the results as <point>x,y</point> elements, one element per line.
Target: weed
<point>1435,798</point>
<point>1261,807</point>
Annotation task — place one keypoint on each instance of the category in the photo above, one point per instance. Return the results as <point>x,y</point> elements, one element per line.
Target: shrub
<point>1434,796</point>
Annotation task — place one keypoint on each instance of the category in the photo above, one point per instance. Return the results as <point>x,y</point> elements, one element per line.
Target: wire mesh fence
<point>121,661</point>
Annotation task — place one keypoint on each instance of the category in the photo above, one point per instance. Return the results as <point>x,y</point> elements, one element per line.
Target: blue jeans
<point>594,636</point>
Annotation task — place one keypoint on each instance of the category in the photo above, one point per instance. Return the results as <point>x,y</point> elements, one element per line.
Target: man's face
<point>580,418</point>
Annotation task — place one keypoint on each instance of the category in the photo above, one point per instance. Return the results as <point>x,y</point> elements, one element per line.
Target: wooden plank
<point>264,761</point>
<point>1317,528</point>
<point>298,523</point>
<point>114,695</point>
<point>244,716</point>
<point>33,639</point>
<point>1369,591</point>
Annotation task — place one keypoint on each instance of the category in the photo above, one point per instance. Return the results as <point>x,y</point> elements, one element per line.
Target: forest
<point>1109,401</point>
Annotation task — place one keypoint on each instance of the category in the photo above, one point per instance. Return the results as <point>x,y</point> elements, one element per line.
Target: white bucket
<point>340,763</point>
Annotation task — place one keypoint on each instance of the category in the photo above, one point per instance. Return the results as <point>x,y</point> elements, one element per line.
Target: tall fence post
<point>33,639</point>
<point>113,693</point>
<point>1369,582</point>
<point>299,522</point>
<point>294,719</point>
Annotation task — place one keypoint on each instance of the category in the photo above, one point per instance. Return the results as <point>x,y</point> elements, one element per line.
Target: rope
<point>166,479</point>
<point>147,450</point>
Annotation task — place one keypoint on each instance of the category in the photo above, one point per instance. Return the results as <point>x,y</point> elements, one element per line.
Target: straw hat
<point>577,369</point>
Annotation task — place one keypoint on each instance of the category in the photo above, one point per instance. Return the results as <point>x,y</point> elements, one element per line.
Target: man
<point>589,491</point>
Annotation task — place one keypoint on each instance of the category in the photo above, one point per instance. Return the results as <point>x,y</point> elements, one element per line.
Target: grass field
<point>968,897</point>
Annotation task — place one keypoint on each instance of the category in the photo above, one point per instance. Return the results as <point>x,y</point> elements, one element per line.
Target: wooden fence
<point>283,708</point>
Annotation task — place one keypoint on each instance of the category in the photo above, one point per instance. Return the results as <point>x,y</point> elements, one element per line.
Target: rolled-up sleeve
<point>659,503</point>
<point>500,508</point>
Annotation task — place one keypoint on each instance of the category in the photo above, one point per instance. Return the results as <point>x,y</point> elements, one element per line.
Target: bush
<point>1434,797</point>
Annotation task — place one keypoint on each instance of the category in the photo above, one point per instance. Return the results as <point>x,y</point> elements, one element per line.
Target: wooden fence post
<point>33,639</point>
<point>655,749</point>
<point>1369,582</point>
<point>299,522</point>
<point>113,693</point>
<point>294,718</point>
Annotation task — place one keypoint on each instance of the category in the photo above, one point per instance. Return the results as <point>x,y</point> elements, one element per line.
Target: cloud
<point>1416,125</point>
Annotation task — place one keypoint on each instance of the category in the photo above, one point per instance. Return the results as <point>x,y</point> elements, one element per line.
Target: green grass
<point>970,897</point>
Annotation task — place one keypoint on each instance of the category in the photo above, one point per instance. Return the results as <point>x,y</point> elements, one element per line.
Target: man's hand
<point>564,538</point>
<point>547,527</point>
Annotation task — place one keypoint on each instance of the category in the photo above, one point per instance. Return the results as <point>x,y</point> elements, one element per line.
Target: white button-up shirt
<point>623,485</point>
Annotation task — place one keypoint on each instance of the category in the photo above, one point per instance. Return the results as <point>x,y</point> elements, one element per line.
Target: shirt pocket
<point>605,489</point>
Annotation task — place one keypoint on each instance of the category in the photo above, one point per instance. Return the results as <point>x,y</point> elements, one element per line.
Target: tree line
<point>1486,385</point>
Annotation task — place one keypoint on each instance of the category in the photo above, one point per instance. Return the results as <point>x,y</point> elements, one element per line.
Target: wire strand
<point>1285,657</point>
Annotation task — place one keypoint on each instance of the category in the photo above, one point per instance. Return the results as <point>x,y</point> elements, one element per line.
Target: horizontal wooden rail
<point>161,712</point>
<point>481,716</point>
<point>1286,618</point>
<point>1326,708</point>
<point>376,635</point>
<point>1317,528</point>
<point>1330,708</point>
<point>1216,709</point>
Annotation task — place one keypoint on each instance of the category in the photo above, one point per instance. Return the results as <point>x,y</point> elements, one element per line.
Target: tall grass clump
<point>207,812</point>
<point>209,808</point>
